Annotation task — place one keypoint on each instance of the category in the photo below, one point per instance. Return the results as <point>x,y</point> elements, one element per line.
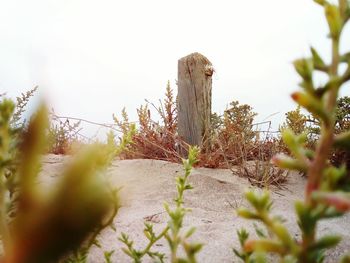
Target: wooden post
<point>194,98</point>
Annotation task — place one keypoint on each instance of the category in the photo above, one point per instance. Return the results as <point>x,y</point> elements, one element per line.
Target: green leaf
<point>304,67</point>
<point>286,162</point>
<point>306,222</point>
<point>321,2</point>
<point>312,104</point>
<point>334,20</point>
<point>325,242</point>
<point>112,226</point>
<point>283,234</point>
<point>317,60</point>
<point>192,248</point>
<point>245,213</point>
<point>190,232</point>
<point>265,245</point>
<point>243,235</point>
<point>345,58</point>
<point>259,231</point>
<point>292,141</point>
<point>333,175</point>
<point>127,252</point>
<point>108,256</point>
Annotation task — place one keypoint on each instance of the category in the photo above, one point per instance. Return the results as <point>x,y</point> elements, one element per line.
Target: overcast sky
<point>90,58</point>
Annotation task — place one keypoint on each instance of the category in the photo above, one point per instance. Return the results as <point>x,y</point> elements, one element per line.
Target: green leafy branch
<point>324,197</point>
<point>70,216</point>
<point>172,232</point>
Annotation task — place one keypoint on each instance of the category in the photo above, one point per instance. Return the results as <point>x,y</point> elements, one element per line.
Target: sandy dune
<point>148,183</point>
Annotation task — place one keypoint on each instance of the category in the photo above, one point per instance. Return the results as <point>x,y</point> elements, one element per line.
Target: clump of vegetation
<point>326,194</point>
<point>295,121</point>
<point>232,136</point>
<point>342,115</point>
<point>37,226</point>
<point>233,141</point>
<point>173,232</point>
<point>342,124</point>
<point>154,140</point>
<point>62,135</point>
<point>302,123</point>
<point>17,120</point>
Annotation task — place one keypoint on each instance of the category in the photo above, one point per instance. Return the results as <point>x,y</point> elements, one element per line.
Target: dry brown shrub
<point>232,142</point>
<point>63,135</point>
<point>155,139</point>
<point>259,170</point>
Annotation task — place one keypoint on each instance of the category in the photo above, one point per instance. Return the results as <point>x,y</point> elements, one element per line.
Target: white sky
<point>91,58</point>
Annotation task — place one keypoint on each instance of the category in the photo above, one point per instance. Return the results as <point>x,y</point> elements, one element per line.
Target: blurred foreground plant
<point>324,196</point>
<point>37,225</point>
<point>301,123</point>
<point>172,232</point>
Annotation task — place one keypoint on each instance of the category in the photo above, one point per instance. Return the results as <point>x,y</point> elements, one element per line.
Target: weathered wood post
<point>194,98</point>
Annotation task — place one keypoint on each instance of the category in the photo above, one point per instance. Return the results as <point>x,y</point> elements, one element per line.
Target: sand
<point>217,192</point>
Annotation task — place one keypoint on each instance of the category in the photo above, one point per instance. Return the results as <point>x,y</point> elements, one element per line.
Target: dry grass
<point>233,142</point>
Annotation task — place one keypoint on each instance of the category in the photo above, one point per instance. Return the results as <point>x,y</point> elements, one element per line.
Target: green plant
<point>154,140</point>
<point>234,127</point>
<point>342,115</point>
<point>295,121</point>
<point>235,142</point>
<point>263,173</point>
<point>62,135</point>
<point>231,137</point>
<point>173,231</point>
<point>13,129</point>
<point>239,118</point>
<point>37,226</point>
<point>342,124</point>
<point>112,149</point>
<point>299,123</point>
<point>17,120</point>
<point>324,194</point>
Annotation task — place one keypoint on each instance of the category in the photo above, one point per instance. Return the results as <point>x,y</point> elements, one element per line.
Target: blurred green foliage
<point>326,193</point>
<point>299,123</point>
<point>37,225</point>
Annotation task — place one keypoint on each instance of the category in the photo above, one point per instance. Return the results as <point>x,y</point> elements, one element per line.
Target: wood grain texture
<point>194,98</point>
